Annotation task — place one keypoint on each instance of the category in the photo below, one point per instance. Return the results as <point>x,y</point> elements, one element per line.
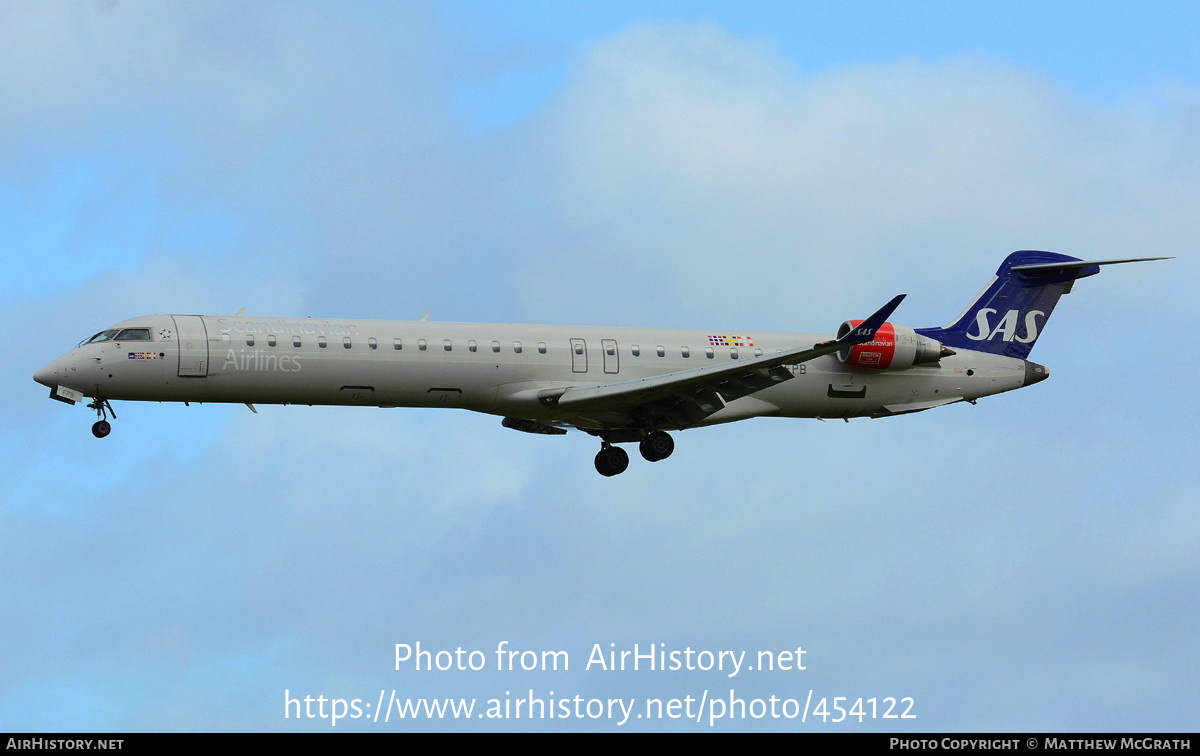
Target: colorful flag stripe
<point>731,341</point>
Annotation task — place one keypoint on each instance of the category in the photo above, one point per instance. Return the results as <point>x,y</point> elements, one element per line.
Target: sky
<point>1028,564</point>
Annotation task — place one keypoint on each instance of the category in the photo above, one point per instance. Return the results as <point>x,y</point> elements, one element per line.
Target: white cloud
<point>698,169</point>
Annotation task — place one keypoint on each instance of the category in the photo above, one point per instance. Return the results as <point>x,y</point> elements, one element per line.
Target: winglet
<point>865,331</point>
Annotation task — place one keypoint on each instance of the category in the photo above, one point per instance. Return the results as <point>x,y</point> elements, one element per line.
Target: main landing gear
<point>657,445</point>
<point>613,460</point>
<point>102,427</point>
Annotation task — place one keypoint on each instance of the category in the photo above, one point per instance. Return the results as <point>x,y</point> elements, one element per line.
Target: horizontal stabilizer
<point>1079,264</point>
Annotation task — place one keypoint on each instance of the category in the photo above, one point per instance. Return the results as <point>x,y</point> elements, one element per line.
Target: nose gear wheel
<point>102,427</point>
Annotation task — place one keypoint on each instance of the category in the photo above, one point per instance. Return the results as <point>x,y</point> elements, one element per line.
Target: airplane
<point>621,385</point>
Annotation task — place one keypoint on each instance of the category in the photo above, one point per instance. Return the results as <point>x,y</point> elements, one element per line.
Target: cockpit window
<point>102,336</point>
<point>134,334</point>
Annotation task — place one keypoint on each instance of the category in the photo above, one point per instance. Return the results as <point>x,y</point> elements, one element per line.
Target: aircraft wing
<point>686,397</point>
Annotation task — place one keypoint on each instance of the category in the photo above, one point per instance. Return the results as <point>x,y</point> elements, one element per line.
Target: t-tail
<point>1008,316</point>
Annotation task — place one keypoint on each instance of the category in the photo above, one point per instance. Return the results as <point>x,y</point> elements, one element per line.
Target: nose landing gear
<point>102,427</point>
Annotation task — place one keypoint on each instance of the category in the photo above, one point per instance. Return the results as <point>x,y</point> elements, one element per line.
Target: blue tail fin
<point>1007,317</point>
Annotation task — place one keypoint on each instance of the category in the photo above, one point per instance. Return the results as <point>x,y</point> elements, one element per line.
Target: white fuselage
<point>492,368</point>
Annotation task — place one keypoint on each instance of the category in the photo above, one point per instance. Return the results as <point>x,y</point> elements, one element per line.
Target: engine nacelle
<point>895,347</point>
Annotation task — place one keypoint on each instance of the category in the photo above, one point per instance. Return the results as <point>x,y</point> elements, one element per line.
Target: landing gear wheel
<point>611,460</point>
<point>101,428</point>
<point>657,445</point>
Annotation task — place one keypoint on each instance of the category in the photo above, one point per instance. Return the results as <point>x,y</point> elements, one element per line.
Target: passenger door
<point>192,338</point>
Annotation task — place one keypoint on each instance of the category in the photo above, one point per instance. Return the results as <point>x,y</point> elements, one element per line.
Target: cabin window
<point>397,344</point>
<point>447,345</point>
<point>224,339</point>
<point>685,352</point>
<point>636,350</point>
<point>517,347</point>
<point>295,341</point>
<point>610,350</point>
<point>371,342</point>
<point>271,340</point>
<point>579,348</point>
<point>422,345</point>
<point>346,342</point>
<point>733,354</point>
<point>541,347</point>
<point>321,342</point>
<point>134,334</point>
<point>661,350</point>
<point>758,353</point>
<point>471,345</point>
<point>249,339</point>
<point>496,346</point>
<point>708,352</point>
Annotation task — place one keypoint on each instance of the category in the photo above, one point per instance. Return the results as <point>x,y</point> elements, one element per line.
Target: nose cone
<point>1035,373</point>
<point>48,376</point>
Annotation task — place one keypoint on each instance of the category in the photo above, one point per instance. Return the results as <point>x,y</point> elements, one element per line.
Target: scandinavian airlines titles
<point>261,360</point>
<point>287,327</point>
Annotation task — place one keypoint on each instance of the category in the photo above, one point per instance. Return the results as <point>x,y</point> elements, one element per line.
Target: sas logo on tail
<point>1007,327</point>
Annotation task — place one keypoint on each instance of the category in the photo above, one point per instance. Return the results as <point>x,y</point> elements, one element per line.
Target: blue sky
<point>1027,564</point>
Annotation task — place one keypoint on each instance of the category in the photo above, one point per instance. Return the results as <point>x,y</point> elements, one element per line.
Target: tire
<point>657,446</point>
<point>611,460</point>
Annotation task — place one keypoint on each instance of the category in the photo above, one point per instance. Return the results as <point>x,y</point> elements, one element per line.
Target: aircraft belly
<point>742,409</point>
<point>827,389</point>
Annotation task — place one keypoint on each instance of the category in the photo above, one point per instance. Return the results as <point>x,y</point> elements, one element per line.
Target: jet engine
<point>895,347</point>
